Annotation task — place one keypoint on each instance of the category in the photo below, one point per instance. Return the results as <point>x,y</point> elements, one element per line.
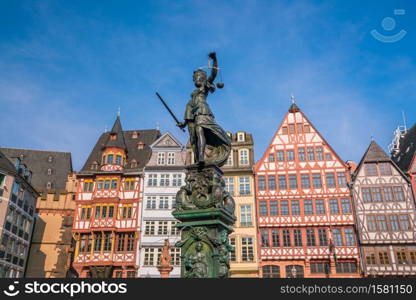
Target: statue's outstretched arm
<point>214,69</point>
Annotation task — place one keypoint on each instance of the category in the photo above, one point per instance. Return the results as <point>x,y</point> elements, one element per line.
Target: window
<point>311,154</point>
<point>171,158</point>
<point>176,256</point>
<point>319,153</point>
<point>114,184</point>
<point>97,212</point>
<point>129,185</point>
<point>346,207</point>
<point>264,238</point>
<point>261,183</point>
<point>280,155</point>
<point>323,240</point>
<point>243,157</point>
<point>284,130</point>
<point>306,129</point>
<point>286,238</point>
<point>151,202</point>
<point>85,213</point>
<point>383,257</point>
<point>333,206</point>
<point>110,159</point>
<point>149,258</point>
<point>88,186</point>
<point>161,158</point>
<point>274,210</point>
<point>108,238</point>
<point>149,228</point>
<point>376,194</point>
<point>346,267</point>
<point>177,180</point>
<point>398,193</point>
<point>291,128</point>
<point>394,223</point>
<point>385,169</point>
<point>245,215</point>
<point>284,207</point>
<point>107,184</point>
<point>162,228</point>
<point>310,237</point>
<point>173,229</point>
<point>371,169</point>
<point>328,156</point>
<point>229,160</point>
<point>233,257</point>
<point>229,185</point>
<point>366,194</point>
<point>336,233</point>
<point>152,181</point>
<point>305,182</point>
<point>241,137</point>
<point>263,209</point>
<point>307,205</point>
<point>271,157</point>
<point>98,242</point>
<point>316,179</point>
<point>271,181</point>
<point>320,268</point>
<point>164,202</point>
<point>164,180</point>
<point>290,155</point>
<point>342,180</point>
<point>295,207</point>
<point>320,207</point>
<point>404,222</point>
<point>370,258</point>
<point>282,182</point>
<point>247,249</point>
<point>297,237</point>
<point>388,194</point>
<point>330,180</point>
<point>299,127</point>
<point>349,237</point>
<point>371,223</point>
<point>381,223</point>
<point>301,154</point>
<point>401,257</point>
<point>118,159</point>
<point>244,185</point>
<point>275,238</point>
<point>271,271</point>
<point>293,184</point>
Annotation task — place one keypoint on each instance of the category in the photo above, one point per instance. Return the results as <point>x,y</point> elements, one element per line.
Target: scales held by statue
<point>203,206</point>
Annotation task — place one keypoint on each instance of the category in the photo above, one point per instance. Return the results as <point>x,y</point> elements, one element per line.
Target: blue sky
<point>66,66</point>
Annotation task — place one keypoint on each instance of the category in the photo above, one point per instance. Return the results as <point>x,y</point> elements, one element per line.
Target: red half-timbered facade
<point>109,191</point>
<point>305,217</point>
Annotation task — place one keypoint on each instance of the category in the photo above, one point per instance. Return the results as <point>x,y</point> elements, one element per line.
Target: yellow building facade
<point>239,180</point>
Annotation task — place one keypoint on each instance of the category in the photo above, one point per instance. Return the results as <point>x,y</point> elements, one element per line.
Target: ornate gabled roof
<point>131,139</point>
<point>116,131</point>
<point>167,140</point>
<point>39,161</point>
<point>407,150</point>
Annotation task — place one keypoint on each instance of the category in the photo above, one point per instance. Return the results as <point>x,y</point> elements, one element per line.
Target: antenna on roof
<point>404,120</point>
<point>105,128</point>
<point>118,112</point>
<point>157,126</point>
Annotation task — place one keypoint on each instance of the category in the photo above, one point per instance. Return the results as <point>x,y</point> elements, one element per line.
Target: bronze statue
<point>204,132</point>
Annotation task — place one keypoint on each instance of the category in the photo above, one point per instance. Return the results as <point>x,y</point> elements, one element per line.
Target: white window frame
<point>171,158</point>
<point>161,158</point>
<point>244,159</point>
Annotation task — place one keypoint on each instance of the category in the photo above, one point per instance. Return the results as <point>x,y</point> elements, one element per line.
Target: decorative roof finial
<point>105,128</point>
<point>372,138</point>
<point>118,112</point>
<point>157,126</point>
<point>292,97</point>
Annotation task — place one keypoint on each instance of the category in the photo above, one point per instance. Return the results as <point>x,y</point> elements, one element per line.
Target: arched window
<point>271,271</point>
<point>294,271</point>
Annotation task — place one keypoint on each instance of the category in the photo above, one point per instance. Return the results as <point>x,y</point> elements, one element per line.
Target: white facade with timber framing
<point>385,212</point>
<point>305,217</point>
<point>107,216</point>
<point>164,174</point>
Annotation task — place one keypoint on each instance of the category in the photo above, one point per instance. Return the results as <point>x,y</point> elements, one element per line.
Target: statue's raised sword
<point>167,107</point>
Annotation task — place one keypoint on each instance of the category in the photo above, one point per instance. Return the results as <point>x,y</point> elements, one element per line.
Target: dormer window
<point>113,136</point>
<point>49,185</point>
<point>229,134</point>
<point>241,137</point>
<point>133,163</point>
<point>140,145</point>
<point>134,135</point>
<point>118,159</point>
<point>50,158</point>
<point>49,171</point>
<point>161,158</point>
<point>94,166</point>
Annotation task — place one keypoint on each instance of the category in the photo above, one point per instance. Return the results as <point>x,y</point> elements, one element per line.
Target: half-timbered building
<point>106,223</point>
<point>385,214</point>
<point>305,218</point>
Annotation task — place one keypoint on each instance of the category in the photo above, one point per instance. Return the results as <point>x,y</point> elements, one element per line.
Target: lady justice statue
<point>204,132</point>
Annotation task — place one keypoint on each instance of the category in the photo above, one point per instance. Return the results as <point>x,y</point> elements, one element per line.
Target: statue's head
<point>198,247</point>
<point>200,77</point>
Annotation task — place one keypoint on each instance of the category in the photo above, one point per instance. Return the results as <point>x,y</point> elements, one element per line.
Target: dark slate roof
<point>407,149</point>
<point>6,165</point>
<point>142,156</point>
<point>37,161</point>
<point>118,131</point>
